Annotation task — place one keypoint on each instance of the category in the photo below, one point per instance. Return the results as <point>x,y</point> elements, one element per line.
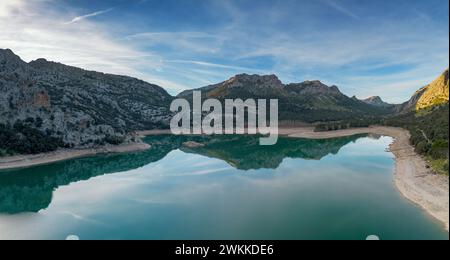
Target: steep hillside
<point>75,106</point>
<point>426,116</point>
<point>436,93</point>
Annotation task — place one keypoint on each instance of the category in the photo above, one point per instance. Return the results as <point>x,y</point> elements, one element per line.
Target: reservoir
<point>226,187</point>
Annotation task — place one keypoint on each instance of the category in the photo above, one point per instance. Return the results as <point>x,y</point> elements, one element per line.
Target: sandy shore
<point>153,132</point>
<point>412,177</point>
<point>23,161</point>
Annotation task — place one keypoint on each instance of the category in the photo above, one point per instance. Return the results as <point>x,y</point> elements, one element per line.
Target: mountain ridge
<point>308,101</point>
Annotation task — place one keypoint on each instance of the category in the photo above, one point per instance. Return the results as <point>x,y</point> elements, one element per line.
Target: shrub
<point>24,139</point>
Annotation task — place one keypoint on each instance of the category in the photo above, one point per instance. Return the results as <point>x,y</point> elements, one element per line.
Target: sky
<point>388,48</point>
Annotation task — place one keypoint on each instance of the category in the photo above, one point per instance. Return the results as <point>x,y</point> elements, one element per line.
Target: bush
<point>439,149</point>
<point>115,140</point>
<point>24,139</point>
<point>423,147</point>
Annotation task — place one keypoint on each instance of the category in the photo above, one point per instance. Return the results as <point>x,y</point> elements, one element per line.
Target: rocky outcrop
<point>434,94</point>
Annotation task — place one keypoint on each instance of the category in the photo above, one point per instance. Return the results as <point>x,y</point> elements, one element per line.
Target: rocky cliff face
<point>310,101</point>
<point>436,93</point>
<point>81,107</point>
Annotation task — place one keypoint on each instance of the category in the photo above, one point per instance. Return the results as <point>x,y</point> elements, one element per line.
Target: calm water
<point>232,188</point>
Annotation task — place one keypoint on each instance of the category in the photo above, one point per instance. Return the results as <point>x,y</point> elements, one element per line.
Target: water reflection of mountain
<point>245,153</point>
<point>30,190</point>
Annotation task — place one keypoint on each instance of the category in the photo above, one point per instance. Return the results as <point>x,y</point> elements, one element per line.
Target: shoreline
<point>412,178</point>
<point>26,161</point>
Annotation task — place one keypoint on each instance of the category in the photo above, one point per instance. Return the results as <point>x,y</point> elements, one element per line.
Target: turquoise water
<point>231,188</point>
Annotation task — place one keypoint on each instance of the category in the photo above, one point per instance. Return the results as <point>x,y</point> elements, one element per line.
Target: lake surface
<point>231,188</point>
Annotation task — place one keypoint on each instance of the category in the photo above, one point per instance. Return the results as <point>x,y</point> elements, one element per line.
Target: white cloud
<point>215,65</point>
<point>7,7</point>
<point>83,17</point>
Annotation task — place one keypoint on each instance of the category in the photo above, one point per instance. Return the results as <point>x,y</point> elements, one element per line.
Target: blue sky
<point>366,47</point>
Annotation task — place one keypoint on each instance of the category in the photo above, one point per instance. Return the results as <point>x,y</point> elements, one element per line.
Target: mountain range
<point>85,108</point>
<point>309,101</point>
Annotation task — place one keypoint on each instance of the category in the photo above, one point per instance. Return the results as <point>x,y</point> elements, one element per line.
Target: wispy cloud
<point>215,65</point>
<point>340,8</point>
<point>198,42</point>
<point>83,17</point>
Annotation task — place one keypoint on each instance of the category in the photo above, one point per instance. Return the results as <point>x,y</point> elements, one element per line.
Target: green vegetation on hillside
<point>429,134</point>
<point>24,138</point>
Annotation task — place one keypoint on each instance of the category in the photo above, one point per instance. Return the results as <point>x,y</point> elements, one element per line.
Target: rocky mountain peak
<point>9,61</point>
<point>43,64</point>
<point>374,98</point>
<point>376,101</point>
<point>335,88</point>
<point>39,62</point>
<point>7,54</point>
<point>241,80</point>
<point>313,87</point>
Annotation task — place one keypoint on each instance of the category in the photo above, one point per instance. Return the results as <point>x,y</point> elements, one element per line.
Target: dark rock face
<point>81,107</point>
